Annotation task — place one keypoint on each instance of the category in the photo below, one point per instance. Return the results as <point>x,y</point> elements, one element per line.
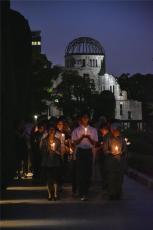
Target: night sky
<point>125,30</point>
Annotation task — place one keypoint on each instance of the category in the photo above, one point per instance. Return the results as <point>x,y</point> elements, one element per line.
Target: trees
<point>103,104</point>
<point>139,87</point>
<point>74,93</point>
<point>40,86</point>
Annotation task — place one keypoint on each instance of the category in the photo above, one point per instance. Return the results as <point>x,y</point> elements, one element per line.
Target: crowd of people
<point>45,149</point>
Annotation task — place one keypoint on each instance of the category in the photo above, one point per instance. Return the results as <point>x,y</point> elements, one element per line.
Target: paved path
<point>26,207</point>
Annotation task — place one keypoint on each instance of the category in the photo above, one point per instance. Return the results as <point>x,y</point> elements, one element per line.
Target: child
<point>115,150</point>
<point>50,148</point>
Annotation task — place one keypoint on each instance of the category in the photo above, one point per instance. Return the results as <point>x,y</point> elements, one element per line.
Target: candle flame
<point>71,151</point>
<point>85,129</point>
<point>53,146</point>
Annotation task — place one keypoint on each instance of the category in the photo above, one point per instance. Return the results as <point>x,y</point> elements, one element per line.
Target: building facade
<point>86,56</point>
<point>37,55</point>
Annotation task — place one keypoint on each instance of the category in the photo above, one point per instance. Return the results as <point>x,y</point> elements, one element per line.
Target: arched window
<point>121,109</point>
<point>83,62</point>
<point>111,88</point>
<point>90,62</point>
<point>129,115</point>
<point>96,63</point>
<point>93,62</point>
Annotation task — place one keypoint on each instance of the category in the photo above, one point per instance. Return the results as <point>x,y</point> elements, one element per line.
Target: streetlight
<point>35,117</point>
<point>56,100</point>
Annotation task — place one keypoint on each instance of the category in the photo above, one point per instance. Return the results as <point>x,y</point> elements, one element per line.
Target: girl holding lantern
<point>51,159</point>
<point>62,134</point>
<point>115,152</point>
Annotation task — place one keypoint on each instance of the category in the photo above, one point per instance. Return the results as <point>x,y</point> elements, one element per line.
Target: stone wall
<point>128,110</point>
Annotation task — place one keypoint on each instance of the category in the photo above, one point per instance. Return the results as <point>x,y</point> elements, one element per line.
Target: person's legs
<point>50,186</point>
<point>103,173</point>
<point>50,190</point>
<point>25,165</point>
<point>56,176</point>
<point>84,170</point>
<point>34,163</point>
<point>56,194</point>
<point>88,174</point>
<point>81,171</point>
<point>61,175</point>
<point>74,177</point>
<point>18,167</point>
<point>115,181</point>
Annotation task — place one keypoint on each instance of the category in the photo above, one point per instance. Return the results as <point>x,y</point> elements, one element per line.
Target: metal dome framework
<point>84,45</point>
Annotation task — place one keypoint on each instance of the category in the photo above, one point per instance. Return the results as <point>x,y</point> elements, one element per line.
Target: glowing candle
<point>116,149</point>
<point>85,131</point>
<point>53,146</point>
<point>71,151</point>
<point>127,141</point>
<point>62,138</point>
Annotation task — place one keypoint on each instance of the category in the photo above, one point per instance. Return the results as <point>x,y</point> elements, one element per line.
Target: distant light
<point>127,141</point>
<point>56,100</point>
<point>36,43</point>
<point>35,117</point>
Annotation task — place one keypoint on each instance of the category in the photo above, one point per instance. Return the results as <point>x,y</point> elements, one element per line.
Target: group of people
<point>83,144</point>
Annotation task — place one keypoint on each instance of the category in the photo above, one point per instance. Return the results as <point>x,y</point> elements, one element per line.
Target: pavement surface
<point>24,206</point>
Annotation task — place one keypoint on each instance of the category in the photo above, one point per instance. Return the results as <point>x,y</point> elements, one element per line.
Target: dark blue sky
<point>124,28</point>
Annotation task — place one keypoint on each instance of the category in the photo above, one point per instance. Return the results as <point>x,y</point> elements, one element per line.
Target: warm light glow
<point>85,131</point>
<point>71,151</point>
<point>36,129</point>
<point>62,138</point>
<point>116,148</point>
<point>53,146</point>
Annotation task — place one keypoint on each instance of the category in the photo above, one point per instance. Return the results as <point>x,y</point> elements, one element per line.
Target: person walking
<point>21,151</point>
<point>104,134</point>
<point>84,138</point>
<point>116,152</point>
<point>51,158</point>
<point>36,138</point>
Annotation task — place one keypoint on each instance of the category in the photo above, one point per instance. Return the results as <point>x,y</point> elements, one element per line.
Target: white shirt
<point>85,143</point>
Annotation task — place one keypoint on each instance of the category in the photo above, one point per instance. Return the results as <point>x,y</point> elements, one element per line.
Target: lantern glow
<point>116,150</point>
<point>62,138</point>
<point>85,131</point>
<point>53,146</point>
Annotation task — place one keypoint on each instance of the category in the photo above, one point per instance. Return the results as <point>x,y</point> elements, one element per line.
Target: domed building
<point>87,56</point>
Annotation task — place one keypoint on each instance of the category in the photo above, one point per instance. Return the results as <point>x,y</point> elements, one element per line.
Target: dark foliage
<point>139,87</point>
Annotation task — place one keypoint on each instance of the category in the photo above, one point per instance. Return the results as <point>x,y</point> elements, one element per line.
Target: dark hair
<point>104,126</point>
<point>51,127</point>
<point>84,113</point>
<point>61,118</point>
<point>40,125</point>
